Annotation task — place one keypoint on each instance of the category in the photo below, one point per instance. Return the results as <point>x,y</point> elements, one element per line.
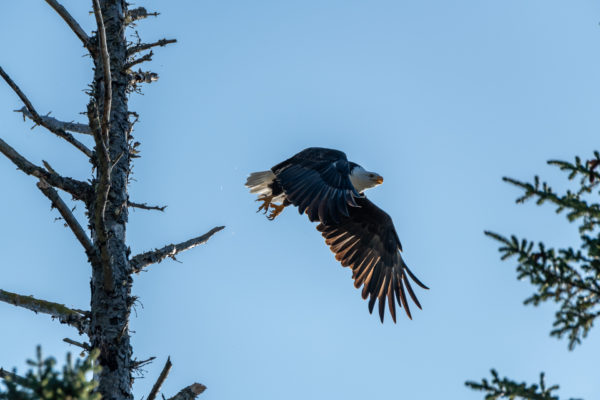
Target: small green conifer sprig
<point>44,382</point>
<point>576,203</point>
<point>505,388</point>
<point>565,276</point>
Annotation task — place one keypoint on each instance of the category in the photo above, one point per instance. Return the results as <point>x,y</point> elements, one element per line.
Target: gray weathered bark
<point>106,198</point>
<point>111,291</point>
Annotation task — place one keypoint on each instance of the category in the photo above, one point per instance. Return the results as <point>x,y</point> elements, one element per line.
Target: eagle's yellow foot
<point>277,209</point>
<point>266,202</point>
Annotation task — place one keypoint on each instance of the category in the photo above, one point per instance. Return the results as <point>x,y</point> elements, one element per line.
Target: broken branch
<point>40,121</point>
<point>53,123</point>
<point>75,27</point>
<point>69,218</point>
<point>161,379</point>
<point>153,257</point>
<point>190,392</point>
<point>75,318</point>
<point>145,46</point>
<point>144,58</point>
<point>84,345</point>
<point>79,190</point>
<point>135,364</point>
<point>144,206</point>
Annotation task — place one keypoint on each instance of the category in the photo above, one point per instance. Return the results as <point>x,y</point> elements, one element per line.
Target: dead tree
<point>105,197</point>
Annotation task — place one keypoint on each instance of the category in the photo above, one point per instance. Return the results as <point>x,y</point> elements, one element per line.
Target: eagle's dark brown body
<point>327,187</point>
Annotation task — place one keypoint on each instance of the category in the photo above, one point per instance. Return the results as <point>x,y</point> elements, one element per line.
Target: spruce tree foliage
<point>500,388</point>
<point>567,276</point>
<point>44,382</point>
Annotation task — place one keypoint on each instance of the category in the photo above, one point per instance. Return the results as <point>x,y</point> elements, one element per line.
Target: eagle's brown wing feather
<point>367,242</point>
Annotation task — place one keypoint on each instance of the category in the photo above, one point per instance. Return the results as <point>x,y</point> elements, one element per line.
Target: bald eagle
<point>329,189</point>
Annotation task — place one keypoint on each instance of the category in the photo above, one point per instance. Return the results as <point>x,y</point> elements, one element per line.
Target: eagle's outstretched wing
<point>317,181</point>
<point>367,242</point>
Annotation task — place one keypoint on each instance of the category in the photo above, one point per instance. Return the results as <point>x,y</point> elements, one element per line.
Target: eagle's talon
<point>277,209</point>
<point>266,202</point>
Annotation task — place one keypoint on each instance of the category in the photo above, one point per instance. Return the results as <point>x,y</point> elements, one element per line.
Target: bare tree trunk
<point>110,305</point>
<point>106,198</point>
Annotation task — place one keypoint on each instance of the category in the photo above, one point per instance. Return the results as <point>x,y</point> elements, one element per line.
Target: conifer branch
<point>75,27</point>
<point>570,201</point>
<point>69,218</point>
<point>587,170</point>
<point>75,318</point>
<point>141,261</point>
<point>190,392</point>
<point>569,277</point>
<point>565,276</point>
<point>44,381</point>
<point>53,123</point>
<point>11,376</point>
<point>161,379</point>
<point>506,388</point>
<point>145,46</point>
<point>40,121</point>
<point>79,190</point>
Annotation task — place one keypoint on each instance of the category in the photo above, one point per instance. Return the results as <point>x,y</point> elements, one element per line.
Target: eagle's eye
<point>371,175</point>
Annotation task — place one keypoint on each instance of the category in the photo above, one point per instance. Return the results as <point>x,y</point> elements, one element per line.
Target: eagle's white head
<point>362,179</point>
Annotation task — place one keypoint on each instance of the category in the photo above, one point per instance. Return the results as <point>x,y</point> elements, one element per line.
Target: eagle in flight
<point>330,189</point>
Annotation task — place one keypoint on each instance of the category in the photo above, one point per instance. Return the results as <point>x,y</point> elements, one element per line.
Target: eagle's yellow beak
<point>379,180</point>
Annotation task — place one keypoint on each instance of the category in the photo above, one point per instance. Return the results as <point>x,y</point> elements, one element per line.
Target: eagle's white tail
<point>259,182</point>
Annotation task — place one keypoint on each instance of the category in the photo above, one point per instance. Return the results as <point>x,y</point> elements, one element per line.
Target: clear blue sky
<point>442,98</point>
